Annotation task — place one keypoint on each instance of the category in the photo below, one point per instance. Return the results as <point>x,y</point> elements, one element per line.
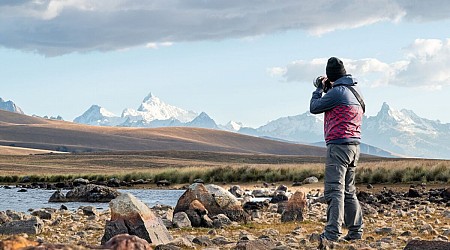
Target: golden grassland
<point>212,167</point>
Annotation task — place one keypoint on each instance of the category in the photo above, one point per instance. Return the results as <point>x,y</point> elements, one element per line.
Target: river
<point>38,198</point>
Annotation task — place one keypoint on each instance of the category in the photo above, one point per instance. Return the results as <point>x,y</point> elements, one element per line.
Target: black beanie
<point>335,69</point>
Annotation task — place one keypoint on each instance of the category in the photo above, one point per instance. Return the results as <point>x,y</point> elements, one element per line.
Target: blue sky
<point>247,61</point>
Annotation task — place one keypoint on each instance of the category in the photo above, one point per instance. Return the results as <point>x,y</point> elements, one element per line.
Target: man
<point>343,108</point>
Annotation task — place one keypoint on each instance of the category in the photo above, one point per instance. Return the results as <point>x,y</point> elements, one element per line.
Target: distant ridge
<point>32,132</point>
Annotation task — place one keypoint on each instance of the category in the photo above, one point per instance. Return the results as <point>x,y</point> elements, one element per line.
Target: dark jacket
<point>343,112</point>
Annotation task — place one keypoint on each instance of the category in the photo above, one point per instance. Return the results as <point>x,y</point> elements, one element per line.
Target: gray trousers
<point>340,192</point>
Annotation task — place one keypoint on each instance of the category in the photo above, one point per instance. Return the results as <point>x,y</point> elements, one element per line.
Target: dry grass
<point>185,166</point>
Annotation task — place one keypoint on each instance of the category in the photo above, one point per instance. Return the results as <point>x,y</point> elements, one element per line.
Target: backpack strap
<point>360,100</point>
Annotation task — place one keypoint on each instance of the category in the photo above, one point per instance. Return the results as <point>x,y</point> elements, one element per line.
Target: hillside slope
<point>31,132</point>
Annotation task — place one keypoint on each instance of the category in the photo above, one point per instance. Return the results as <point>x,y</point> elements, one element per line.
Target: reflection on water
<point>38,198</point>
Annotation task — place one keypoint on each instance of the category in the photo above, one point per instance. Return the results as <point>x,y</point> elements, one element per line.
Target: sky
<point>248,61</point>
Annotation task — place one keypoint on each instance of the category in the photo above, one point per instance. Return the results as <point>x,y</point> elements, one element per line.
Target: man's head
<point>335,69</point>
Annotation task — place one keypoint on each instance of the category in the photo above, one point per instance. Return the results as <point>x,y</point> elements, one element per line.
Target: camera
<point>319,83</point>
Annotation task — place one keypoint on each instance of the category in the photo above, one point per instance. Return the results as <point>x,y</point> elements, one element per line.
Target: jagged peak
<point>150,98</point>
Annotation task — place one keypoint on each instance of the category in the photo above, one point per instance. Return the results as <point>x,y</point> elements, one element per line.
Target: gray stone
<point>167,247</point>
<point>92,193</point>
<point>182,242</point>
<point>264,192</point>
<point>385,230</point>
<point>181,220</point>
<point>57,196</point>
<point>221,220</point>
<point>89,210</point>
<point>133,216</point>
<point>310,180</point>
<point>33,226</point>
<point>80,181</point>
<point>203,241</point>
<point>424,244</point>
<point>237,191</point>
<point>220,240</point>
<point>258,244</point>
<point>42,214</point>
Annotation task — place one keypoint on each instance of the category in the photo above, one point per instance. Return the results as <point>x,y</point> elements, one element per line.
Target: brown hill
<point>31,132</point>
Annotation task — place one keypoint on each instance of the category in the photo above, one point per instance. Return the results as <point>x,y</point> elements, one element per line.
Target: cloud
<point>426,63</point>
<point>54,27</point>
<point>158,45</point>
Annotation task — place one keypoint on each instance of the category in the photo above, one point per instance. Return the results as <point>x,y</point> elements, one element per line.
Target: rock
<point>258,244</point>
<point>215,199</point>
<point>310,180</point>
<point>237,191</point>
<point>163,183</point>
<point>57,196</point>
<point>42,214</point>
<point>203,241</point>
<point>22,190</point>
<point>255,205</point>
<point>131,216</point>
<point>221,220</point>
<point>369,186</point>
<point>279,196</point>
<point>446,194</point>
<point>198,181</point>
<point>31,225</point>
<point>80,181</point>
<point>194,218</point>
<point>282,188</point>
<point>295,208</point>
<point>89,210</point>
<point>113,182</point>
<point>181,220</point>
<point>413,193</point>
<point>424,244</point>
<point>127,242</point>
<point>17,242</point>
<point>167,247</point>
<point>264,192</point>
<point>91,193</point>
<point>220,240</point>
<point>182,242</point>
<point>297,184</point>
<point>385,230</point>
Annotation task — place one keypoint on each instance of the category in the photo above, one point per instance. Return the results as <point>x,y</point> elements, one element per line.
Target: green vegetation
<point>405,171</point>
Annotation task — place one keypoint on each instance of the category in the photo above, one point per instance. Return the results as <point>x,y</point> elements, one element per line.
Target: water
<point>38,198</point>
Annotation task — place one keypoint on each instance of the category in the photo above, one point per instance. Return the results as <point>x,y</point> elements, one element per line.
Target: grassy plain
<point>185,166</point>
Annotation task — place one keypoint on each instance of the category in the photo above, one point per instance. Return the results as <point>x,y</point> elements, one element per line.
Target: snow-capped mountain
<point>202,121</point>
<point>406,133</point>
<point>151,113</point>
<point>399,132</point>
<point>99,116</point>
<point>10,106</point>
<point>232,126</point>
<point>152,108</point>
<point>300,128</point>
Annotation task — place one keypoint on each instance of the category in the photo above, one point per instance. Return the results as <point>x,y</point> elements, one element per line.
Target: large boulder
<point>216,200</point>
<point>295,208</point>
<point>131,216</point>
<point>86,193</point>
<point>31,225</point>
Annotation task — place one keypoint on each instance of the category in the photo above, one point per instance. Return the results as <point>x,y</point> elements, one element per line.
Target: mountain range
<point>390,133</point>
